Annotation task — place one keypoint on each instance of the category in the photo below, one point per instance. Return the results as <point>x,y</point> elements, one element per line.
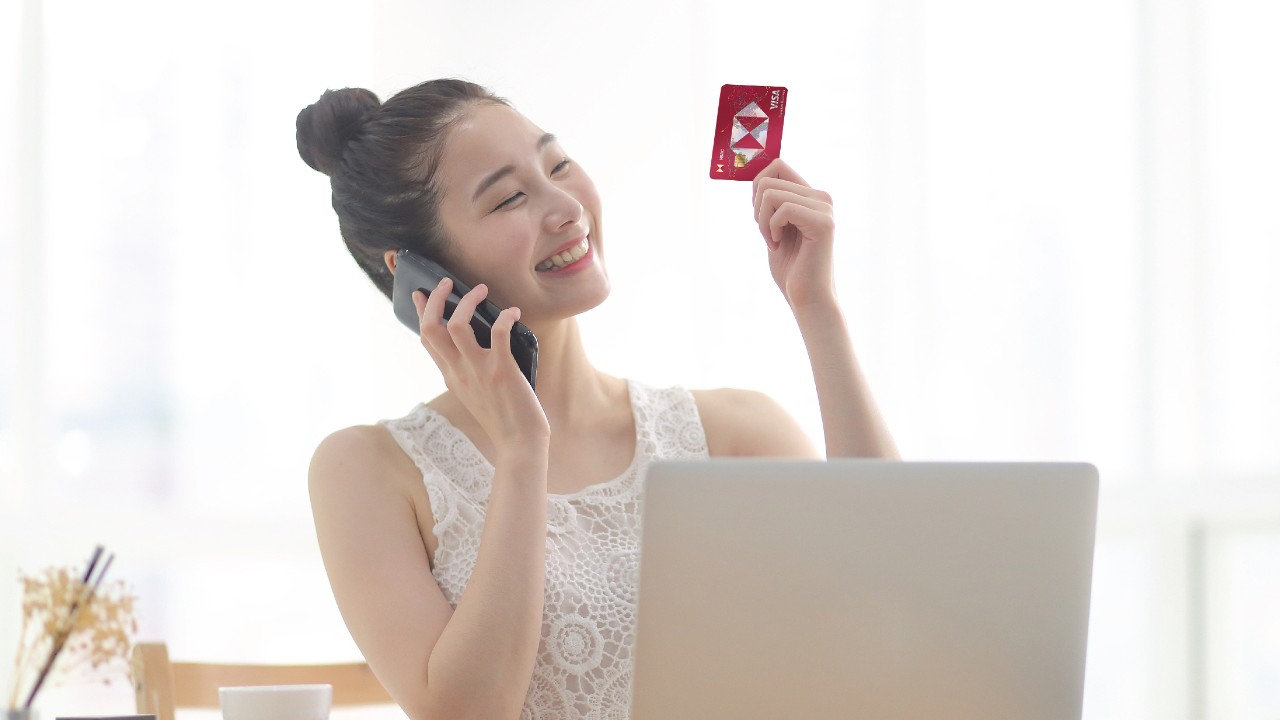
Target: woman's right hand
<point>488,382</point>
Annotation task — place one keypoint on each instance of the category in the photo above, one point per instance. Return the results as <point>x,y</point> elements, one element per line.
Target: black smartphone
<point>414,272</point>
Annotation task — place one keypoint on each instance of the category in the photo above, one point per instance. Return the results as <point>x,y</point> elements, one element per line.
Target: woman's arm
<point>851,422</point>
<point>475,661</point>
<point>437,662</point>
<point>799,228</point>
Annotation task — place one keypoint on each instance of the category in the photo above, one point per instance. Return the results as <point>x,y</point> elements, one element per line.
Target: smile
<point>566,257</point>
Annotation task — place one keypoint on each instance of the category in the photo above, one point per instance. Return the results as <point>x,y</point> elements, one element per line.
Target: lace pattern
<point>584,663</point>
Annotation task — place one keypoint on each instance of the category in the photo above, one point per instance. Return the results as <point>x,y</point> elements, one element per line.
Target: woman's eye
<point>509,200</point>
<point>559,168</point>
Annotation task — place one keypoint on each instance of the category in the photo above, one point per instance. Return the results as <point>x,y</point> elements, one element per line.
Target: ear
<point>390,258</point>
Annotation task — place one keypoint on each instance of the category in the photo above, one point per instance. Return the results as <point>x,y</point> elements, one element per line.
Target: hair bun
<point>327,125</point>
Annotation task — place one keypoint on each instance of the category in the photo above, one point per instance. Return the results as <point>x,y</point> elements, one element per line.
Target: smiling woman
<point>482,549</point>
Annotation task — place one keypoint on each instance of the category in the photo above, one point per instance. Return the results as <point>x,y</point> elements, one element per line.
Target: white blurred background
<point>1058,223</point>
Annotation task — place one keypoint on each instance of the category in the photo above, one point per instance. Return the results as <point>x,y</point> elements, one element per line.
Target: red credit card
<point>748,130</point>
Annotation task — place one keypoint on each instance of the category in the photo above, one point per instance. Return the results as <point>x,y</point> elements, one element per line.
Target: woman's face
<point>521,217</point>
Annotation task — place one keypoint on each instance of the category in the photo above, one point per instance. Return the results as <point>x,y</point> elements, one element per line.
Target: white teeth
<point>559,260</point>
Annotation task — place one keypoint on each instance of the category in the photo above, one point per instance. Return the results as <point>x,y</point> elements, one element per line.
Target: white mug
<point>276,702</point>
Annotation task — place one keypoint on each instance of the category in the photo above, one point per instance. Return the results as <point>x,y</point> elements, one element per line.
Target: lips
<point>565,255</point>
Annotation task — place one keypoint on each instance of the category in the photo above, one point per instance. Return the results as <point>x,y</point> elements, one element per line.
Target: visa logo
<point>774,99</point>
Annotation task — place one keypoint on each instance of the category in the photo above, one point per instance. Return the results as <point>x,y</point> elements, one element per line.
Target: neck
<point>570,388</point>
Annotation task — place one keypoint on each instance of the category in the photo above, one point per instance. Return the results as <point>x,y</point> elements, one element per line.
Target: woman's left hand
<point>798,225</point>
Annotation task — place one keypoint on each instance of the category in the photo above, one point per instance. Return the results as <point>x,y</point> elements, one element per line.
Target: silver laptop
<point>864,589</point>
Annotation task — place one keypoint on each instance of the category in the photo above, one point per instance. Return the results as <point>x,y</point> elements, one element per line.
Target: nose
<point>563,210</point>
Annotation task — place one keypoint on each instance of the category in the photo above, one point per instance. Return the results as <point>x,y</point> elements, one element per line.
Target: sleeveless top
<point>584,663</point>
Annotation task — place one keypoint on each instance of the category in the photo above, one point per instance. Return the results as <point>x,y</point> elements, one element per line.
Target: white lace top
<point>584,663</point>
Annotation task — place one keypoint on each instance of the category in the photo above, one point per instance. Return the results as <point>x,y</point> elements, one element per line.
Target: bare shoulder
<point>741,422</point>
<point>360,477</point>
<point>362,454</point>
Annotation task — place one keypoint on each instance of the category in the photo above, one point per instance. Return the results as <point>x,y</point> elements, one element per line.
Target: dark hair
<point>381,159</point>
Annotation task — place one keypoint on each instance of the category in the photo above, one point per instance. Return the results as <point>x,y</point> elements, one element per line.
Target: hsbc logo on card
<point>748,130</point>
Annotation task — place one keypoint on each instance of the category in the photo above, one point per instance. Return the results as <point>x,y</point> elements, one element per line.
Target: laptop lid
<point>862,588</point>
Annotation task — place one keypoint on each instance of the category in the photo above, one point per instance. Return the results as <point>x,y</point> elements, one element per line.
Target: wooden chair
<point>161,686</point>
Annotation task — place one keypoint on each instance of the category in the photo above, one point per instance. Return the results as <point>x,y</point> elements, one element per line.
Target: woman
<point>482,549</point>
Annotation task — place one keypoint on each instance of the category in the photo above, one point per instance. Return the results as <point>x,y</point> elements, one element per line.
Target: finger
<point>459,325</point>
<point>811,223</point>
<point>773,199</point>
<point>433,304</point>
<point>431,311</point>
<point>777,169</point>
<point>505,322</point>
<point>779,184</point>
<point>431,330</point>
<point>501,345</point>
<point>437,351</point>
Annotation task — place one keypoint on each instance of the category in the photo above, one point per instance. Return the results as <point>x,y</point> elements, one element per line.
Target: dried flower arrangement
<point>72,618</point>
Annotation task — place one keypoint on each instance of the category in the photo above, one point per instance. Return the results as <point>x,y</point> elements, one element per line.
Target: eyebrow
<point>506,170</point>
